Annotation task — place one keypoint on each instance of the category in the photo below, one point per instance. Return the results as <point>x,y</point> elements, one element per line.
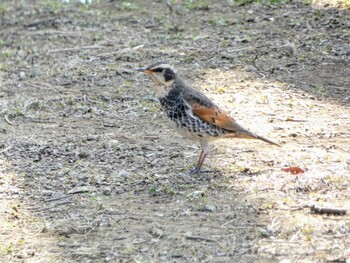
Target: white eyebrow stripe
<point>164,66</point>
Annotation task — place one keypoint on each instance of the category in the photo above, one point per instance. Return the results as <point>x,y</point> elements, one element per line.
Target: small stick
<point>200,238</point>
<point>70,194</point>
<point>189,237</point>
<point>40,21</point>
<point>228,222</point>
<point>258,54</point>
<point>294,120</point>
<point>58,198</point>
<point>334,211</point>
<point>6,149</point>
<point>262,75</point>
<point>75,49</point>
<point>280,241</point>
<point>8,120</point>
<point>37,120</point>
<point>64,203</point>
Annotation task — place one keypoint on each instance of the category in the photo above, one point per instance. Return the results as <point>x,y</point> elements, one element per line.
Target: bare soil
<point>90,171</point>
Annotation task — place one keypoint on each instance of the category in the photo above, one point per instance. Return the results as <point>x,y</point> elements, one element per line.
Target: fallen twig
<point>58,198</point>
<point>190,237</point>
<point>64,203</point>
<point>258,54</point>
<point>279,241</point>
<point>70,194</point>
<point>229,222</point>
<point>80,190</point>
<point>6,149</point>
<point>120,52</point>
<point>294,208</point>
<point>262,75</point>
<point>200,238</point>
<point>333,211</point>
<point>294,120</point>
<point>8,121</point>
<point>75,49</point>
<point>37,120</point>
<point>40,21</point>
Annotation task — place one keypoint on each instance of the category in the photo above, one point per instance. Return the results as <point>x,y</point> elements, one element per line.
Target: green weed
<point>318,89</point>
<point>127,5</point>
<point>218,22</point>
<point>197,5</point>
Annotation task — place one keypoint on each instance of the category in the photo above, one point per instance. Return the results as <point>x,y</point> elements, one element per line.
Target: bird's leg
<point>204,153</point>
<point>199,163</point>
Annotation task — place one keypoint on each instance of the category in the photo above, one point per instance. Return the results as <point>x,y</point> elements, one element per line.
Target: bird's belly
<point>196,129</point>
<point>189,125</point>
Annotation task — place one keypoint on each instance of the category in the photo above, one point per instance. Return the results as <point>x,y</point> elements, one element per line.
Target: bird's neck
<point>179,83</point>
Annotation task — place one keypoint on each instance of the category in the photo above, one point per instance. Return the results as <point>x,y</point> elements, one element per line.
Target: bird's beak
<point>144,70</point>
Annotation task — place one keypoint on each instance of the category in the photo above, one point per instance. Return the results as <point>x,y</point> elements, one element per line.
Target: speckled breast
<point>188,124</point>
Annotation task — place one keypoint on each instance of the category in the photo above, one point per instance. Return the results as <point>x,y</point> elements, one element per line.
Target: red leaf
<point>293,170</point>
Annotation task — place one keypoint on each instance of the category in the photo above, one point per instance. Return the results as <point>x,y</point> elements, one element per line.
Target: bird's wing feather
<point>203,108</point>
<point>206,110</point>
<point>216,116</point>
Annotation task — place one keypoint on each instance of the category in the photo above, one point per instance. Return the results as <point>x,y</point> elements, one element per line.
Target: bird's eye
<point>169,74</point>
<point>157,70</point>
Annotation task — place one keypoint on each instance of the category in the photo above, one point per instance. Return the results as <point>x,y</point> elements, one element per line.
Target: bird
<point>192,113</point>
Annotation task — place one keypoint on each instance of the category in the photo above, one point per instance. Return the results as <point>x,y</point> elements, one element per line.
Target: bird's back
<point>177,105</point>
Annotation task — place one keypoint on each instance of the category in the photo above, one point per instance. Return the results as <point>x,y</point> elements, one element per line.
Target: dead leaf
<point>293,170</point>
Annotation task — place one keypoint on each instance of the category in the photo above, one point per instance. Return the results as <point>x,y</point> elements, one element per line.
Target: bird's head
<point>162,74</point>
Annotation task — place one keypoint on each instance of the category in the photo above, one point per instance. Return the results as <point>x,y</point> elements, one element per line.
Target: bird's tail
<point>267,140</point>
<point>249,135</point>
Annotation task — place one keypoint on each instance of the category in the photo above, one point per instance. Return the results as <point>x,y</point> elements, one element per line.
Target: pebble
<point>22,75</point>
<point>264,233</point>
<point>46,192</point>
<point>84,154</point>
<point>107,191</point>
<point>288,50</point>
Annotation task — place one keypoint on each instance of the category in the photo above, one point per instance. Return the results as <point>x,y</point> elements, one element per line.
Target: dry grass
<point>90,170</point>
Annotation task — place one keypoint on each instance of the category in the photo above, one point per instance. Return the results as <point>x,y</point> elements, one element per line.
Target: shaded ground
<point>90,171</point>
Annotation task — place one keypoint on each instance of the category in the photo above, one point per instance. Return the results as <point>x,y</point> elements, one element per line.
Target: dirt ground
<point>90,171</point>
